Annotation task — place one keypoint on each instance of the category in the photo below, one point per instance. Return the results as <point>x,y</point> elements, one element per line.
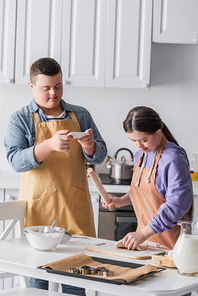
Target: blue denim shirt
<point>20,135</point>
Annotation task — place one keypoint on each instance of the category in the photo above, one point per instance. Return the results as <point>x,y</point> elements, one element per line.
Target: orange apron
<point>146,201</point>
<point>58,189</point>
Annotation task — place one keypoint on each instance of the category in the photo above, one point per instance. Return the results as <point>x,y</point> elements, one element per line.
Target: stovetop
<point>105,179</point>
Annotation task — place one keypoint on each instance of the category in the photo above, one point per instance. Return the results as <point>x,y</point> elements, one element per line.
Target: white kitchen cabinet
<point>129,43</point>
<point>38,34</point>
<point>109,45</point>
<point>95,205</point>
<point>28,30</point>
<point>99,43</point>
<point>7,40</point>
<point>70,31</point>
<point>83,42</point>
<point>175,21</point>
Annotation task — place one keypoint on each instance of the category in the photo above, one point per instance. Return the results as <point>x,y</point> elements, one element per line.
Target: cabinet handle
<point>145,85</point>
<point>126,219</point>
<point>196,39</point>
<point>8,80</point>
<point>95,199</point>
<point>65,82</point>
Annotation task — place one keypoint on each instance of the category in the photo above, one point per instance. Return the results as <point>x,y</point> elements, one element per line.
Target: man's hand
<point>87,142</point>
<point>60,141</point>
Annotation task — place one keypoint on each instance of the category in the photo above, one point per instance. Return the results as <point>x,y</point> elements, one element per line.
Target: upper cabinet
<point>83,36</point>
<point>37,34</point>
<point>72,32</point>
<point>128,43</point>
<point>99,43</point>
<point>175,21</point>
<point>7,40</point>
<point>28,31</point>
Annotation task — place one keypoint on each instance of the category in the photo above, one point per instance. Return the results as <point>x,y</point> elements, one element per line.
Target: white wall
<point>173,94</point>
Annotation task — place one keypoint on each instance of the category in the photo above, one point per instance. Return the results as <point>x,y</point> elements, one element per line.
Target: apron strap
<point>72,115</point>
<point>150,171</point>
<point>141,169</point>
<point>156,158</point>
<point>155,161</point>
<point>35,117</point>
<point>140,160</point>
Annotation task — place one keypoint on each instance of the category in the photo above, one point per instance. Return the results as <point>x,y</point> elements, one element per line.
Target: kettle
<point>120,170</point>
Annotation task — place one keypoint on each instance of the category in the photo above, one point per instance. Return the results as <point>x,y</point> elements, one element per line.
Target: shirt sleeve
<point>20,154</point>
<point>129,197</point>
<point>178,194</point>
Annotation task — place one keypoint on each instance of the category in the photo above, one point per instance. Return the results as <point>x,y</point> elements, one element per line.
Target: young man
<point>54,180</point>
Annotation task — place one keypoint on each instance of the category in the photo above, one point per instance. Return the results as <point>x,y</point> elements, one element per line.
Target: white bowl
<point>44,241</point>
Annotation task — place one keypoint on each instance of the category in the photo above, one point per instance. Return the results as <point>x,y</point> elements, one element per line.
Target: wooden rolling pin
<point>99,187</point>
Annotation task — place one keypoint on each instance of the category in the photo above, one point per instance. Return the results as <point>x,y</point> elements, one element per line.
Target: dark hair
<point>45,66</point>
<point>145,119</point>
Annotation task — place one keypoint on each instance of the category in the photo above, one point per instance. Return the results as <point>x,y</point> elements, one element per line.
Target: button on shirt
<point>20,135</point>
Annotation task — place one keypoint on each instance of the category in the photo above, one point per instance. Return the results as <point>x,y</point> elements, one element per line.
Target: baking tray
<point>105,280</point>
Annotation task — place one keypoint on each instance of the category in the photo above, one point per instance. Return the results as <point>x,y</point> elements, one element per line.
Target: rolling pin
<point>99,187</point>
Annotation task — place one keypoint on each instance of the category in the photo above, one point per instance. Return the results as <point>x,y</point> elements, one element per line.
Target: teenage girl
<point>161,188</point>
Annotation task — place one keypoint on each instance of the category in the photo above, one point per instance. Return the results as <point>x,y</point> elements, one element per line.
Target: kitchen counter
<point>12,181</point>
<point>16,255</point>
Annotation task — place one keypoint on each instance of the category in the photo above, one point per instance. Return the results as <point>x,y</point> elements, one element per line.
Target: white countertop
<point>16,255</point>
<point>12,181</point>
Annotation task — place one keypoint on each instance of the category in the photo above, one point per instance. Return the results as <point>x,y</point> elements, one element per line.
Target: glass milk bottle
<point>185,251</point>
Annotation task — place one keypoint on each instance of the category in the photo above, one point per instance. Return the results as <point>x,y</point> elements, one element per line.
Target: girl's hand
<point>116,201</point>
<point>133,239</point>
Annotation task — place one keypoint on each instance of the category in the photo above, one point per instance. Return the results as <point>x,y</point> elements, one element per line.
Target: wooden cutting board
<point>110,248</point>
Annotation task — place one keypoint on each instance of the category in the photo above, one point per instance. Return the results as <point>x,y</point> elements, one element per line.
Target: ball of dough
<point>119,244</point>
<point>141,247</point>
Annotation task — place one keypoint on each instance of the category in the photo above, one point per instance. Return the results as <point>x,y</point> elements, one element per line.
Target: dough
<point>142,247</point>
<point>119,244</point>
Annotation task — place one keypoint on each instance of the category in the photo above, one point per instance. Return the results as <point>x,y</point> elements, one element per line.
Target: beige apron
<point>146,201</point>
<point>58,189</point>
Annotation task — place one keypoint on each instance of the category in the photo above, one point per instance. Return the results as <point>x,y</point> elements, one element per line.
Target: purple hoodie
<point>173,182</point>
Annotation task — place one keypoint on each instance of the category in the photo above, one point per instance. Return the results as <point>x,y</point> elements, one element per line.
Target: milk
<point>185,253</point>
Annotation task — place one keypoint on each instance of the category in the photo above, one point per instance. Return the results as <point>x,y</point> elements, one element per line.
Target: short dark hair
<point>45,66</point>
<point>147,120</point>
